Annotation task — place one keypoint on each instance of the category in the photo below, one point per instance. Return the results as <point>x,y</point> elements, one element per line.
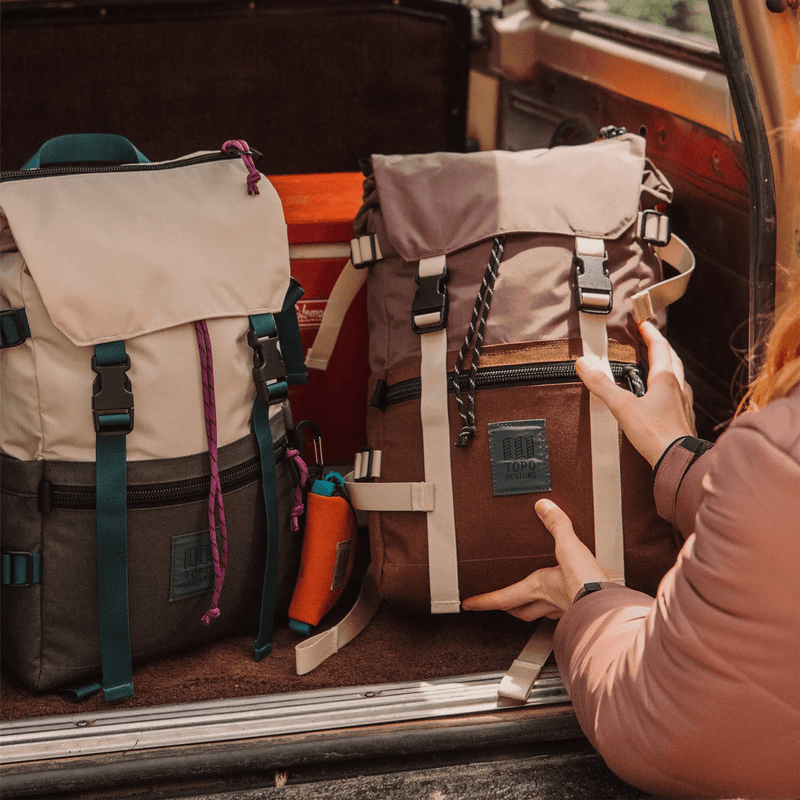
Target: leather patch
<point>519,458</point>
<point>192,564</point>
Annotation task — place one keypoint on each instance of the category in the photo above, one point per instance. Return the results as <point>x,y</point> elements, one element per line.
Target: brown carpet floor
<point>395,646</point>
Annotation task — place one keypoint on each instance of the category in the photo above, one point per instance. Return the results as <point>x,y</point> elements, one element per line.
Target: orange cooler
<point>319,211</point>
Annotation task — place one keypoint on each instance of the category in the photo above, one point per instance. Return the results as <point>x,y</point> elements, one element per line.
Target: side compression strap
<point>345,289</point>
<point>289,335</point>
<point>650,301</point>
<point>312,652</point>
<point>112,425</point>
<point>263,325</point>
<point>522,674</point>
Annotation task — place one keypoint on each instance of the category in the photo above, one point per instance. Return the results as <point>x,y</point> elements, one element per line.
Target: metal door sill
<point>179,725</point>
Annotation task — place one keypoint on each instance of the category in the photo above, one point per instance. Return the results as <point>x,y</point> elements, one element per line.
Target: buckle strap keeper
<point>653,227</point>
<point>593,289</point>
<point>367,465</point>
<point>365,251</point>
<point>14,329</point>
<point>21,569</point>
<point>269,369</point>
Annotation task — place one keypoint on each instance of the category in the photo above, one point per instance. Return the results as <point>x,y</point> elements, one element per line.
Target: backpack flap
<point>112,254</point>
<point>120,253</point>
<point>543,200</point>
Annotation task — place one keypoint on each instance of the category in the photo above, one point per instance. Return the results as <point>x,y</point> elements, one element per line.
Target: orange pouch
<point>328,551</point>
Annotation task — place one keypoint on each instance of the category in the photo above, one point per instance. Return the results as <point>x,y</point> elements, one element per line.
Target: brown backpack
<point>488,275</point>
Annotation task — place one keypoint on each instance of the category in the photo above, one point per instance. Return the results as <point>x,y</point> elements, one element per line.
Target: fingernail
<point>543,506</point>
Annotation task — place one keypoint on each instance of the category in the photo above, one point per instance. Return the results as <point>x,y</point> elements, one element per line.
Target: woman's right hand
<point>663,414</point>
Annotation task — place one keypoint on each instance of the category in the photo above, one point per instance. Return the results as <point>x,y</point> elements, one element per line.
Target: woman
<point>695,693</point>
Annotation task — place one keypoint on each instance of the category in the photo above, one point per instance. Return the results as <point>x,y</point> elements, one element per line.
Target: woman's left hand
<point>548,592</point>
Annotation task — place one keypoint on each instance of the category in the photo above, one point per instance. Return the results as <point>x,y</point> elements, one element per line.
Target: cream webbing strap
<point>312,652</point>
<point>343,293</point>
<point>390,496</point>
<point>442,553</point>
<point>650,301</point>
<point>606,477</point>
<point>594,294</point>
<point>522,674</point>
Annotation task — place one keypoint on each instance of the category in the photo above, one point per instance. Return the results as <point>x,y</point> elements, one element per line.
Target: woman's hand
<point>651,422</point>
<point>548,592</point>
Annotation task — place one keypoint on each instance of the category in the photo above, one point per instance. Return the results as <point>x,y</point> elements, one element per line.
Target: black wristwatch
<point>587,588</point>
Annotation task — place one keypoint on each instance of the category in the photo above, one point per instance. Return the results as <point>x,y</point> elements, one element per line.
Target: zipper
<point>519,375</point>
<point>43,172</point>
<point>158,494</point>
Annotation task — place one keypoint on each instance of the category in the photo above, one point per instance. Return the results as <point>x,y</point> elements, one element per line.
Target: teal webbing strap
<point>289,335</point>
<point>77,147</point>
<point>14,329</point>
<point>264,326</point>
<point>112,538</point>
<point>21,569</point>
<point>74,694</point>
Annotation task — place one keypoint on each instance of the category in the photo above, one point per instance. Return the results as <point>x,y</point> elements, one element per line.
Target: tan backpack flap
<point>118,254</point>
<point>444,202</point>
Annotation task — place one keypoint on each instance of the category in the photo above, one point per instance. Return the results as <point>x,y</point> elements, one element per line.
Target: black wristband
<point>587,588</point>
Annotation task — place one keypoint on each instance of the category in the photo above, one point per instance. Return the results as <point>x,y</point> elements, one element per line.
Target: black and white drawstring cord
<point>476,328</point>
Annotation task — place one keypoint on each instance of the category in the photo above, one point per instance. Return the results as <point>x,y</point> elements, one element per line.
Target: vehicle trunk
<point>315,86</point>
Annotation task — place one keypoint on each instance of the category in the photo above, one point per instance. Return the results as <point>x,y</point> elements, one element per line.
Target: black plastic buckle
<point>268,367</point>
<point>430,298</point>
<point>643,229</point>
<point>112,395</point>
<point>15,316</point>
<point>14,555</point>
<point>592,279</point>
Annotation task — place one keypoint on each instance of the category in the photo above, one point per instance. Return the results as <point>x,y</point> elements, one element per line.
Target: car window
<point>687,20</point>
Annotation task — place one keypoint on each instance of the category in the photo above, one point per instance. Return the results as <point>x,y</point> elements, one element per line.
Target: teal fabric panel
<point>289,335</point>
<point>112,548</point>
<point>77,147</point>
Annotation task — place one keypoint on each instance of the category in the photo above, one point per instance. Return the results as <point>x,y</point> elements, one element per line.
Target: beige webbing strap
<point>343,293</point>
<point>312,652</point>
<point>442,552</point>
<point>390,496</point>
<point>606,475</point>
<point>650,301</point>
<point>522,674</point>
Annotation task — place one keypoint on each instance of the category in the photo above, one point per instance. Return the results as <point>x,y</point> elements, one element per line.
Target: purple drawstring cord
<point>215,490</point>
<point>299,508</point>
<point>253,175</point>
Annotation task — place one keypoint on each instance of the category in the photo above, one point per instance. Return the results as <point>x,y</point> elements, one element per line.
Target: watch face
<point>591,587</point>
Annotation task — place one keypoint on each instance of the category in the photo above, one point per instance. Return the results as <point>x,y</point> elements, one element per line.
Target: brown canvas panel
<point>500,538</point>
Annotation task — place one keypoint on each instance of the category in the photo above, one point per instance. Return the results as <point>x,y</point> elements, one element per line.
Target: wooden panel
<point>314,86</point>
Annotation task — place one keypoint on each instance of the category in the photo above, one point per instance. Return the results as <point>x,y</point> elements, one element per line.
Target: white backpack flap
<point>136,253</point>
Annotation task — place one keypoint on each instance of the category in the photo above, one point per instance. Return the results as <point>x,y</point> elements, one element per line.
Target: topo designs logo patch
<point>192,564</point>
<point>518,455</point>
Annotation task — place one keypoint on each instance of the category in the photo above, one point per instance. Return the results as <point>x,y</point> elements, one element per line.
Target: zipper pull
<point>253,175</point>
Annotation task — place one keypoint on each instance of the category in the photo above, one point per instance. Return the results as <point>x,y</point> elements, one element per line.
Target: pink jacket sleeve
<point>697,693</point>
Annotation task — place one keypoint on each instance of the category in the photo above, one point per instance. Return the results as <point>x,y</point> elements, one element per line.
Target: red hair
<point>780,372</point>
